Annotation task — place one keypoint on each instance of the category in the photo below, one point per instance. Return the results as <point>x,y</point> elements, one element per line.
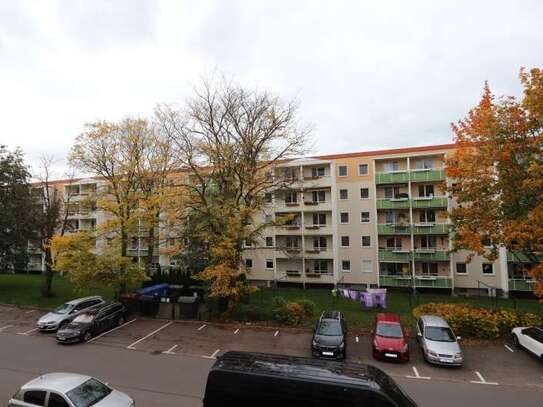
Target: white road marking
<point>28,332</point>
<point>276,333</point>
<point>5,327</point>
<point>213,355</point>
<point>111,330</point>
<point>417,375</point>
<point>482,380</point>
<point>30,312</point>
<point>171,350</point>
<point>236,331</point>
<point>132,345</point>
<point>509,349</point>
<point>356,338</point>
<point>202,327</point>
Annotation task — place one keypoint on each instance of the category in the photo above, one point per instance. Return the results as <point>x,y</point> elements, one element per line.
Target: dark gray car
<point>329,338</point>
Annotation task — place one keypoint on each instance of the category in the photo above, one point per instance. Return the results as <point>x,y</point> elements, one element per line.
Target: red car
<point>389,338</point>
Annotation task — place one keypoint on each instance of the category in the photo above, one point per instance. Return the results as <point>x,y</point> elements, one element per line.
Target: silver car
<point>67,312</point>
<point>69,390</point>
<point>438,342</point>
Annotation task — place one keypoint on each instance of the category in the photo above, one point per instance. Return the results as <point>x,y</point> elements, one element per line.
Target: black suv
<point>93,322</point>
<point>329,339</point>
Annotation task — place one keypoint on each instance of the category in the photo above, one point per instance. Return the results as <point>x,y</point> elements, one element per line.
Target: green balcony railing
<point>520,284</point>
<point>395,281</point>
<point>421,282</point>
<point>397,177</point>
<point>385,203</point>
<point>394,229</point>
<point>433,229</point>
<point>437,255</point>
<point>520,257</point>
<point>427,175</point>
<point>392,255</point>
<point>436,202</point>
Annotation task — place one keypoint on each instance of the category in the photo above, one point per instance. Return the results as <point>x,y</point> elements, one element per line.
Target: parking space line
<point>276,333</point>
<point>5,327</point>
<point>509,349</point>
<point>111,330</point>
<point>171,350</point>
<point>30,312</point>
<point>417,375</point>
<point>236,331</point>
<point>28,332</point>
<point>132,345</point>
<point>213,355</point>
<point>482,380</point>
<point>202,327</point>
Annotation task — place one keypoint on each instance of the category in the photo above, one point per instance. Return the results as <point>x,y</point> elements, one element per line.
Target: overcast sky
<point>369,74</point>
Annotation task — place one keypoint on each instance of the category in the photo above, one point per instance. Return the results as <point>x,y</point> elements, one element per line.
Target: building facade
<point>369,219</point>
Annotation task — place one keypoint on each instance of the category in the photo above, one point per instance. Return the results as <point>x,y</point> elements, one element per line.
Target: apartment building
<point>368,219</point>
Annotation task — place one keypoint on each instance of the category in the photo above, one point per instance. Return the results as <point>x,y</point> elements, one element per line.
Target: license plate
<point>391,355</point>
<point>445,360</point>
<point>328,353</point>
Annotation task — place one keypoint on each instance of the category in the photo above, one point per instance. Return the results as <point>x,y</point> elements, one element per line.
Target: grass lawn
<point>25,289</point>
<point>400,303</point>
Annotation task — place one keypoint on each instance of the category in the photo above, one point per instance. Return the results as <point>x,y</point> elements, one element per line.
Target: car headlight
<point>458,355</point>
<point>342,346</point>
<point>315,343</point>
<point>405,348</point>
<point>432,353</point>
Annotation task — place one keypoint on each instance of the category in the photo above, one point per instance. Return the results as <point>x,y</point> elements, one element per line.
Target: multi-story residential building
<point>368,219</point>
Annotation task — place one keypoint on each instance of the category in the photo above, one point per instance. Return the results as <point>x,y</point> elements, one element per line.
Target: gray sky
<point>369,74</point>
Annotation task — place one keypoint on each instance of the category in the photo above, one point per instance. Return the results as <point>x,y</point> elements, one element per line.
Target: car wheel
<point>87,337</point>
<point>515,341</point>
<point>120,320</point>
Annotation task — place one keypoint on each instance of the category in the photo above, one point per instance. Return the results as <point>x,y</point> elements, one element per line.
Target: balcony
<point>318,253</point>
<point>427,175</point>
<point>429,202</point>
<point>520,257</point>
<point>431,229</point>
<point>394,229</point>
<point>317,182</point>
<point>420,281</point>
<point>431,255</point>
<point>396,281</point>
<point>391,203</point>
<point>288,252</point>
<point>394,255</point>
<point>317,206</point>
<point>521,284</point>
<point>393,177</point>
<point>324,229</point>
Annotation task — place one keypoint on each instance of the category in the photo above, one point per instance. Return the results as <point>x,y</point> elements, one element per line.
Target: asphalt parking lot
<point>489,364</point>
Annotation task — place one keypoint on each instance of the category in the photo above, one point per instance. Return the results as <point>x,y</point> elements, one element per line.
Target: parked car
<point>92,322</point>
<point>264,380</point>
<point>389,338</point>
<point>69,390</point>
<point>438,342</point>
<point>329,339</point>
<point>529,338</point>
<point>67,312</point>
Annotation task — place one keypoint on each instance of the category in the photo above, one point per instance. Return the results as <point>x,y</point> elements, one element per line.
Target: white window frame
<point>369,217</point>
<point>339,167</point>
<point>339,194</point>
<point>456,268</point>
<point>341,241</point>
<point>266,264</point>
<point>488,274</point>
<point>360,193</point>
<point>344,269</point>
<point>365,261</point>
<point>245,263</point>
<point>266,241</point>
<point>362,241</point>
<point>367,169</point>
<point>348,218</point>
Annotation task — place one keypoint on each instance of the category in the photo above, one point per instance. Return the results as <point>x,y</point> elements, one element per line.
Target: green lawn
<point>25,289</point>
<point>401,303</point>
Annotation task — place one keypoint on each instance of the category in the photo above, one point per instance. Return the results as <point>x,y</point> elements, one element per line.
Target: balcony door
<point>427,216</point>
<point>426,191</point>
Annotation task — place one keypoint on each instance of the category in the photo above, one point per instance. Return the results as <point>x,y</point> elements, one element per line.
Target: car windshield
<point>389,331</point>
<point>439,334</point>
<point>63,309</point>
<point>88,393</point>
<point>329,328</point>
<point>84,318</point>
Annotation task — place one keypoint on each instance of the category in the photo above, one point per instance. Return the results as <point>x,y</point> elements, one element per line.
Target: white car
<point>529,338</point>
<point>64,314</point>
<point>69,390</point>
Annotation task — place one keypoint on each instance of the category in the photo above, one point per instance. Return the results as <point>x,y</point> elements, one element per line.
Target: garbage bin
<point>188,307</point>
<point>148,305</point>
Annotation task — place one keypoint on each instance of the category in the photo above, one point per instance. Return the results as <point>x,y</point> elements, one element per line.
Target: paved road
<point>156,379</point>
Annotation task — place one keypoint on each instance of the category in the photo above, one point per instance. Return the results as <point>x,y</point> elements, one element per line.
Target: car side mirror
<point>419,334</point>
<point>458,338</point>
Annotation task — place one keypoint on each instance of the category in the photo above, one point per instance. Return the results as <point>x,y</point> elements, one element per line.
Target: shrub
<point>292,312</point>
<point>309,308</point>
<point>476,322</point>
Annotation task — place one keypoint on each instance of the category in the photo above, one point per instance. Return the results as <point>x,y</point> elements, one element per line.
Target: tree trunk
<point>124,250</point>
<point>47,285</point>
<point>150,250</point>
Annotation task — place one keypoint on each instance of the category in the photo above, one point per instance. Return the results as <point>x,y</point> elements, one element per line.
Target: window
<point>429,269</point>
<point>364,193</point>
<point>247,243</point>
<point>292,242</point>
<point>345,241</point>
<point>366,241</point>
<point>317,172</point>
<point>427,216</point>
<point>394,243</point>
<point>424,164</point>
<point>461,268</point>
<point>319,243</point>
<point>36,397</point>
<point>319,196</point>
<point>342,170</point>
<point>393,269</point>
<point>486,242</point>
<point>320,266</point>
<point>392,166</point>
<point>269,241</point>
<point>344,217</point>
<point>56,400</point>
<point>345,265</point>
<point>291,197</point>
<point>367,266</point>
<point>392,192</point>
<point>319,219</point>
<point>268,197</point>
<point>364,217</point>
<point>249,263</point>
<point>343,194</point>
<point>392,217</point>
<point>269,264</point>
<point>362,169</point>
<point>426,191</point>
<point>428,242</point>
<point>488,268</point>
